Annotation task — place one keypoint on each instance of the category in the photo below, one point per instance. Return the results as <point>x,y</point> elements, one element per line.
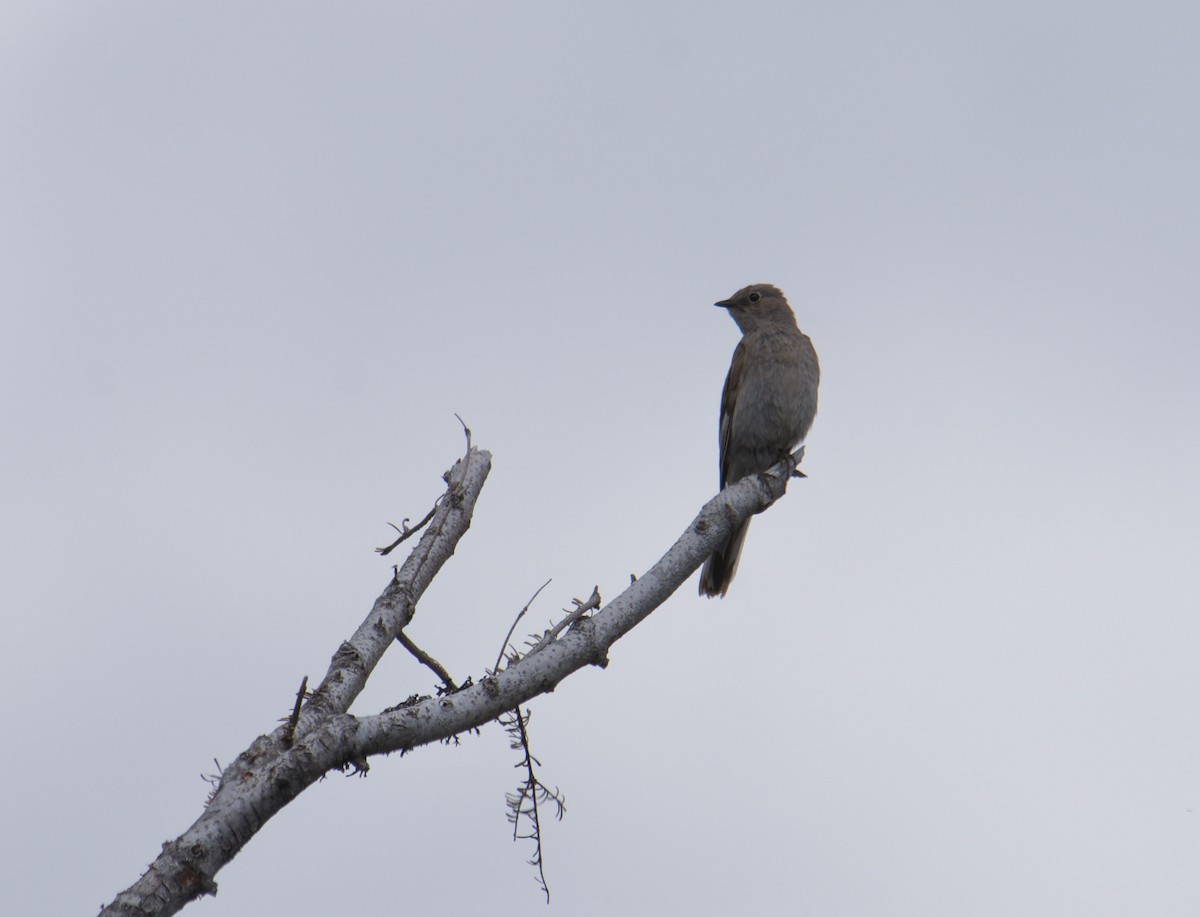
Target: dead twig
<point>467,431</point>
<point>580,609</point>
<point>406,532</point>
<point>527,801</point>
<point>520,615</point>
<point>425,659</point>
<point>289,733</point>
<point>402,528</point>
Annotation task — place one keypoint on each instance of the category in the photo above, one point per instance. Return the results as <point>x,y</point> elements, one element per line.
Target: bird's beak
<point>723,304</point>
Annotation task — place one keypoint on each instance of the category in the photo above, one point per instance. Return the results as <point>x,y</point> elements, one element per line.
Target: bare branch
<point>526,803</point>
<point>425,659</point>
<point>272,771</point>
<point>270,774</point>
<point>586,643</point>
<point>466,431</point>
<point>403,529</point>
<point>520,615</point>
<point>354,661</point>
<point>289,734</point>
<point>406,532</point>
<point>580,609</point>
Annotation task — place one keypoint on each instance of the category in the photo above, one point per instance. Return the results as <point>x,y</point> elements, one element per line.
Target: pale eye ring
<point>754,297</point>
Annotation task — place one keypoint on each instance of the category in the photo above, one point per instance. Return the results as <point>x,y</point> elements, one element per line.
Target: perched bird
<point>767,406</point>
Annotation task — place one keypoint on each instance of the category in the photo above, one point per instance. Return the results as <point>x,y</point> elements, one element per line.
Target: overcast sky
<point>253,257</point>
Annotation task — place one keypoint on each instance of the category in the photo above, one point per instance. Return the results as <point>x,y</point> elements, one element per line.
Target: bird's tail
<point>718,570</point>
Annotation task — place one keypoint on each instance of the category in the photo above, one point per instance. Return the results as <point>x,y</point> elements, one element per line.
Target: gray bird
<point>767,406</point>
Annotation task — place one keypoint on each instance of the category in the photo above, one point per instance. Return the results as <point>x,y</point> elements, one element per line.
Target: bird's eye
<point>754,297</point>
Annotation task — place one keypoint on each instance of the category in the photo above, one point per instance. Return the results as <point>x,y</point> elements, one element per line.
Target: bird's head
<point>757,306</point>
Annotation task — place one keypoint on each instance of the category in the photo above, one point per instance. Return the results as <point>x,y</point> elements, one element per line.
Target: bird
<point>767,406</point>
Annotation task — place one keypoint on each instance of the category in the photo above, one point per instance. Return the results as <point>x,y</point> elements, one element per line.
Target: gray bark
<point>278,767</point>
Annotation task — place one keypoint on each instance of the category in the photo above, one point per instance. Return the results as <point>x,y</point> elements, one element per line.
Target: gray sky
<point>254,260</point>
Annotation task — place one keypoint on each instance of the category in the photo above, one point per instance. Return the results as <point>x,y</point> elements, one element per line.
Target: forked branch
<point>273,771</point>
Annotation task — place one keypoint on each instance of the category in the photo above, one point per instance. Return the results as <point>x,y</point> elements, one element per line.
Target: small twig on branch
<point>467,433</point>
<point>466,430</point>
<point>526,802</point>
<point>213,780</point>
<point>520,615</point>
<point>403,529</point>
<point>406,532</point>
<point>580,609</point>
<point>425,659</point>
<point>289,733</point>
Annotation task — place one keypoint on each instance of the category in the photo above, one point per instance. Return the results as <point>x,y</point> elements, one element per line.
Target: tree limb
<point>272,772</point>
<point>276,768</point>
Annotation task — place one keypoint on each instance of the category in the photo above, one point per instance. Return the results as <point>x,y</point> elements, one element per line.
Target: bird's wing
<point>728,399</point>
